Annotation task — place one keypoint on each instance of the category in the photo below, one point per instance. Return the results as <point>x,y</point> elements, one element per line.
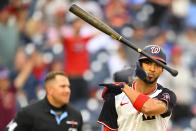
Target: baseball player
<point>143,105</point>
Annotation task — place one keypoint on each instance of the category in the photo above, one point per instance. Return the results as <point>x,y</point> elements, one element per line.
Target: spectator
<point>76,60</point>
<point>23,78</point>
<point>190,18</point>
<point>3,3</point>
<point>187,42</point>
<point>91,7</point>
<point>119,17</point>
<point>178,15</point>
<point>34,36</point>
<point>8,47</point>
<point>117,61</point>
<point>59,29</point>
<point>139,38</point>
<point>48,8</point>
<point>7,99</point>
<point>161,40</point>
<point>160,9</point>
<point>103,52</point>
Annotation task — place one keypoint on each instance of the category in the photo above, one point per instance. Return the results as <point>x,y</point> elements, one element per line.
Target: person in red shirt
<point>76,55</point>
<point>76,60</point>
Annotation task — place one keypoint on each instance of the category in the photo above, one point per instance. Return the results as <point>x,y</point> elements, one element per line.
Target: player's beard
<point>150,81</point>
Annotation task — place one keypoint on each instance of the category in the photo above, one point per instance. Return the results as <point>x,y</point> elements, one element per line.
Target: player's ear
<point>161,71</point>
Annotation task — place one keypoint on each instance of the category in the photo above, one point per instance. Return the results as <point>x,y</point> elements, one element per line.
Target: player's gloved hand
<point>140,72</point>
<point>111,89</point>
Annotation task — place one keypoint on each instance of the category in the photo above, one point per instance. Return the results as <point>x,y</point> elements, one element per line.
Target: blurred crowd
<point>38,36</point>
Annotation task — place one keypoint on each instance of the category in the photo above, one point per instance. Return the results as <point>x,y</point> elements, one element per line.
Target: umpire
<point>53,113</point>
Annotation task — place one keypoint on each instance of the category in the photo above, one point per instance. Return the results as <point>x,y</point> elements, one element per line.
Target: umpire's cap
<point>154,51</point>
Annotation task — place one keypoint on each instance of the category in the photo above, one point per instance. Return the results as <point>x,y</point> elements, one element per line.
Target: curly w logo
<point>155,50</point>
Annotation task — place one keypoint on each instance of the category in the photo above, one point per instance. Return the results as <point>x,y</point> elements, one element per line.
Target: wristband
<point>139,102</point>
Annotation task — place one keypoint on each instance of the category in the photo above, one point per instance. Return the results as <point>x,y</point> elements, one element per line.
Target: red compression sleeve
<point>139,102</point>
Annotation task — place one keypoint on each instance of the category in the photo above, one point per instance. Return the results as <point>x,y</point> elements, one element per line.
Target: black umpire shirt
<point>42,116</point>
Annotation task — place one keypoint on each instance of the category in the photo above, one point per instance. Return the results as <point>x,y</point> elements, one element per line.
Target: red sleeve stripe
<point>106,129</point>
<point>104,96</point>
<point>113,129</point>
<point>155,57</point>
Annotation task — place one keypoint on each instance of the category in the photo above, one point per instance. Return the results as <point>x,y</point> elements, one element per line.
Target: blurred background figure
<point>178,17</point>
<point>7,98</point>
<point>160,10</point>
<point>8,29</point>
<point>48,8</point>
<point>90,6</point>
<point>162,40</point>
<point>187,42</point>
<point>139,37</point>
<point>182,86</point>
<point>23,78</point>
<point>76,60</point>
<point>119,17</point>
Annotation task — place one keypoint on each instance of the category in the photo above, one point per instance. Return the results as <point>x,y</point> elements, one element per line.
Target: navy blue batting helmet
<point>154,51</point>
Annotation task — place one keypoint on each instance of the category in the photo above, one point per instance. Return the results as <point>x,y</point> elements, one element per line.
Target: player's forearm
<point>150,106</point>
<point>154,107</point>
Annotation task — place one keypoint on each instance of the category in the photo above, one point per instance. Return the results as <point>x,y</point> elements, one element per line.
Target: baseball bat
<point>100,25</point>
